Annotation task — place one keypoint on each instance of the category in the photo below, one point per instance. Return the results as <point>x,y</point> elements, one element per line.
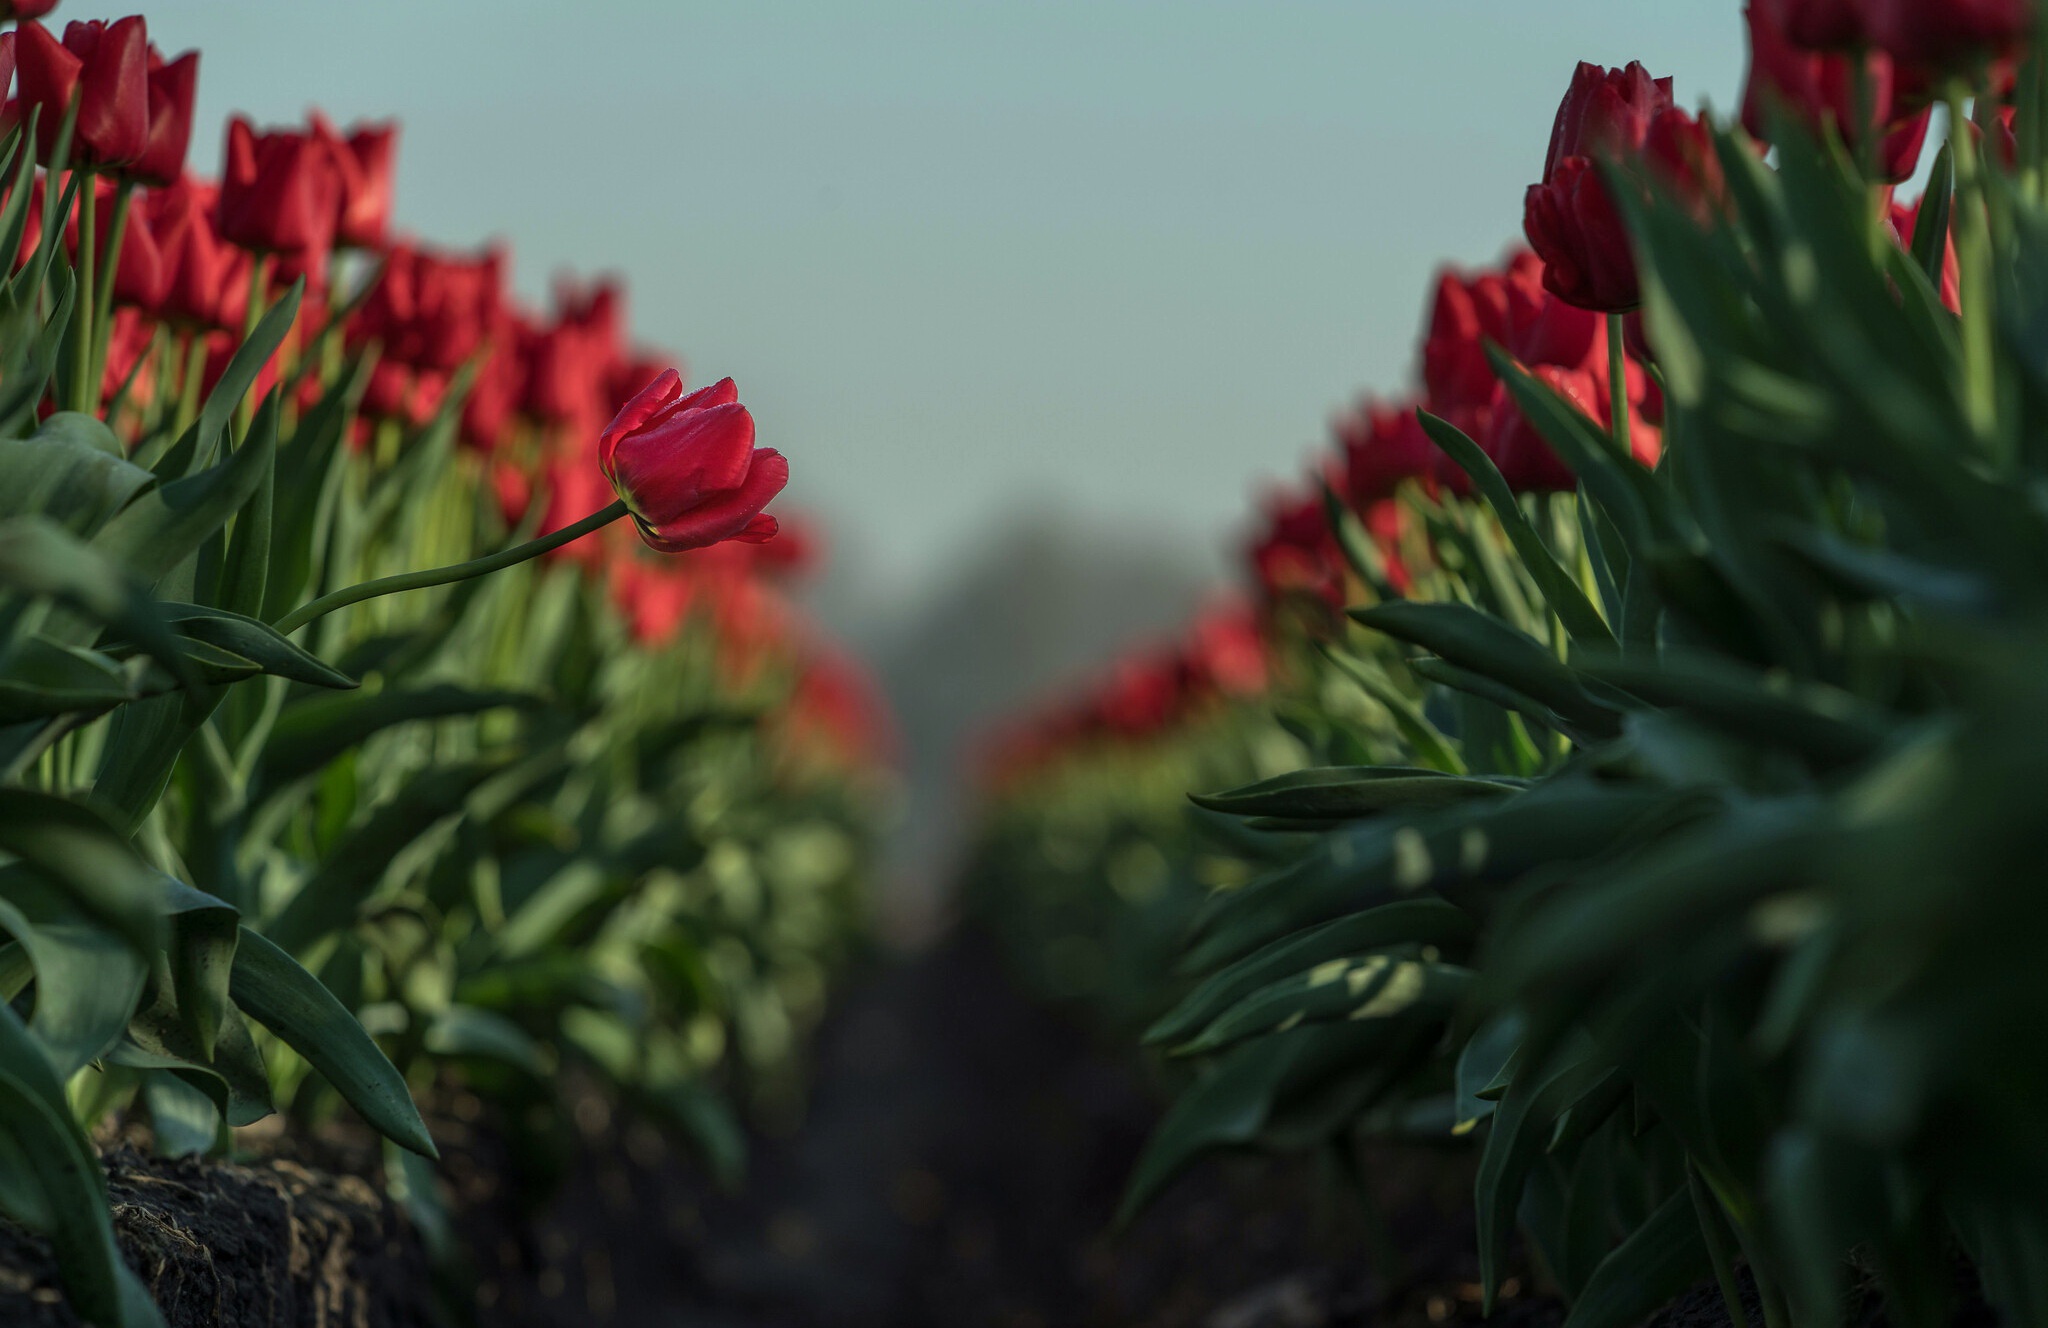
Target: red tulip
<point>139,276</point>
<point>1573,224</point>
<point>834,707</point>
<point>1468,312</point>
<point>432,310</point>
<point>1817,25</point>
<point>205,281</point>
<point>1527,463</point>
<point>493,398</point>
<point>107,67</point>
<point>1297,555</point>
<point>1383,446</point>
<point>1943,34</point>
<point>279,193</point>
<point>653,597</point>
<point>1822,88</point>
<point>1605,113</point>
<point>687,466</point>
<point>368,162</point>
<point>172,88</point>
<point>569,364</point>
<point>1226,653</point>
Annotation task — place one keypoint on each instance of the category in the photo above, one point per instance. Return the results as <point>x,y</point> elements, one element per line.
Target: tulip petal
<point>667,469</point>
<point>646,403</point>
<point>727,516</point>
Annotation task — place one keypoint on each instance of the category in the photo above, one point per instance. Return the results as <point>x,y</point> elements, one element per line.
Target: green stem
<point>102,325</point>
<point>194,378</point>
<point>1617,383</point>
<point>1973,262</point>
<point>441,576</point>
<point>252,313</point>
<point>85,390</point>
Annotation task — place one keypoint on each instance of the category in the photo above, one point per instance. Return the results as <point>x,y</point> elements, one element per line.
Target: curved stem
<point>1617,383</point>
<point>441,576</point>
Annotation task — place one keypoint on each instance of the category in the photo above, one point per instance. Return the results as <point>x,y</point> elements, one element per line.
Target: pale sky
<point>1123,255</point>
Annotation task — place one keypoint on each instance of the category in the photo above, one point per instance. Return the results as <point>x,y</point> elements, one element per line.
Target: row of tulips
<point>1645,790</point>
<point>398,689</point>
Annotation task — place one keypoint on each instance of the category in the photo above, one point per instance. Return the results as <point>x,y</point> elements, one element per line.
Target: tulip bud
<point>205,284</point>
<point>172,89</point>
<point>106,66</point>
<point>372,153</point>
<point>687,467</point>
<point>279,193</point>
<point>1605,113</point>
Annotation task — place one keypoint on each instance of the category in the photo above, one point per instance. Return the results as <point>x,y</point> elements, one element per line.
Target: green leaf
<point>307,475</point>
<point>1363,987</point>
<point>240,375</point>
<point>1615,482</point>
<point>256,642</point>
<point>329,899</point>
<point>1234,1102</point>
<point>1660,1259</point>
<point>1565,597</point>
<point>1429,745</point>
<point>1483,1062</point>
<point>247,569</point>
<point>40,558</point>
<point>465,1030</point>
<point>310,733</point>
<point>1472,640</point>
<point>1341,792</point>
<point>1516,1137</point>
<point>1930,228</point>
<point>71,472</point>
<point>88,978</point>
<point>1408,921</point>
<point>271,987</point>
<point>166,525</point>
<point>78,851</point>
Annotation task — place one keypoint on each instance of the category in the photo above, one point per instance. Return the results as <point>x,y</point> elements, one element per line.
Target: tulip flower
<point>205,285</point>
<point>686,466</point>
<point>1823,88</point>
<point>368,159</point>
<point>172,89</point>
<point>279,193</point>
<point>139,274</point>
<point>1383,446</point>
<point>106,66</point>
<point>432,310</point>
<point>1946,34</point>
<point>1297,555</point>
<point>1816,25</point>
<point>1614,117</point>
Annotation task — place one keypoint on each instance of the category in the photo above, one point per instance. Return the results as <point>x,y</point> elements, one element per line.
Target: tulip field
<point>1612,791</point>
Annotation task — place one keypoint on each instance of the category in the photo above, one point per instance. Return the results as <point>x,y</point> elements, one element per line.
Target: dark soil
<point>267,1245</point>
<point>960,1163</point>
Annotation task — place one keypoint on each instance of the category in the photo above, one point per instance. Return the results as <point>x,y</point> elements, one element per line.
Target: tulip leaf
<point>1406,922</point>
<point>312,732</point>
<point>465,1030</point>
<point>1359,987</point>
<point>1469,639</point>
<point>78,851</point>
<point>306,480</point>
<point>329,899</point>
<point>88,978</point>
<point>1565,597</point>
<point>235,383</point>
<point>166,525</point>
<point>1660,1259</point>
<point>271,987</point>
<point>1350,791</point>
<point>71,471</point>
<point>246,570</point>
<point>1930,228</point>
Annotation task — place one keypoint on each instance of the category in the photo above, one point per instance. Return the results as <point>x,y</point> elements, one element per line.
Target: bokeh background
<point>1033,294</point>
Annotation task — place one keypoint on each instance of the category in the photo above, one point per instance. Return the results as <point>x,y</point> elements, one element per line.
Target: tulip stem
<point>110,274</point>
<point>84,389</point>
<point>252,314</point>
<point>441,576</point>
<point>1617,383</point>
<point>1973,263</point>
<point>192,378</point>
